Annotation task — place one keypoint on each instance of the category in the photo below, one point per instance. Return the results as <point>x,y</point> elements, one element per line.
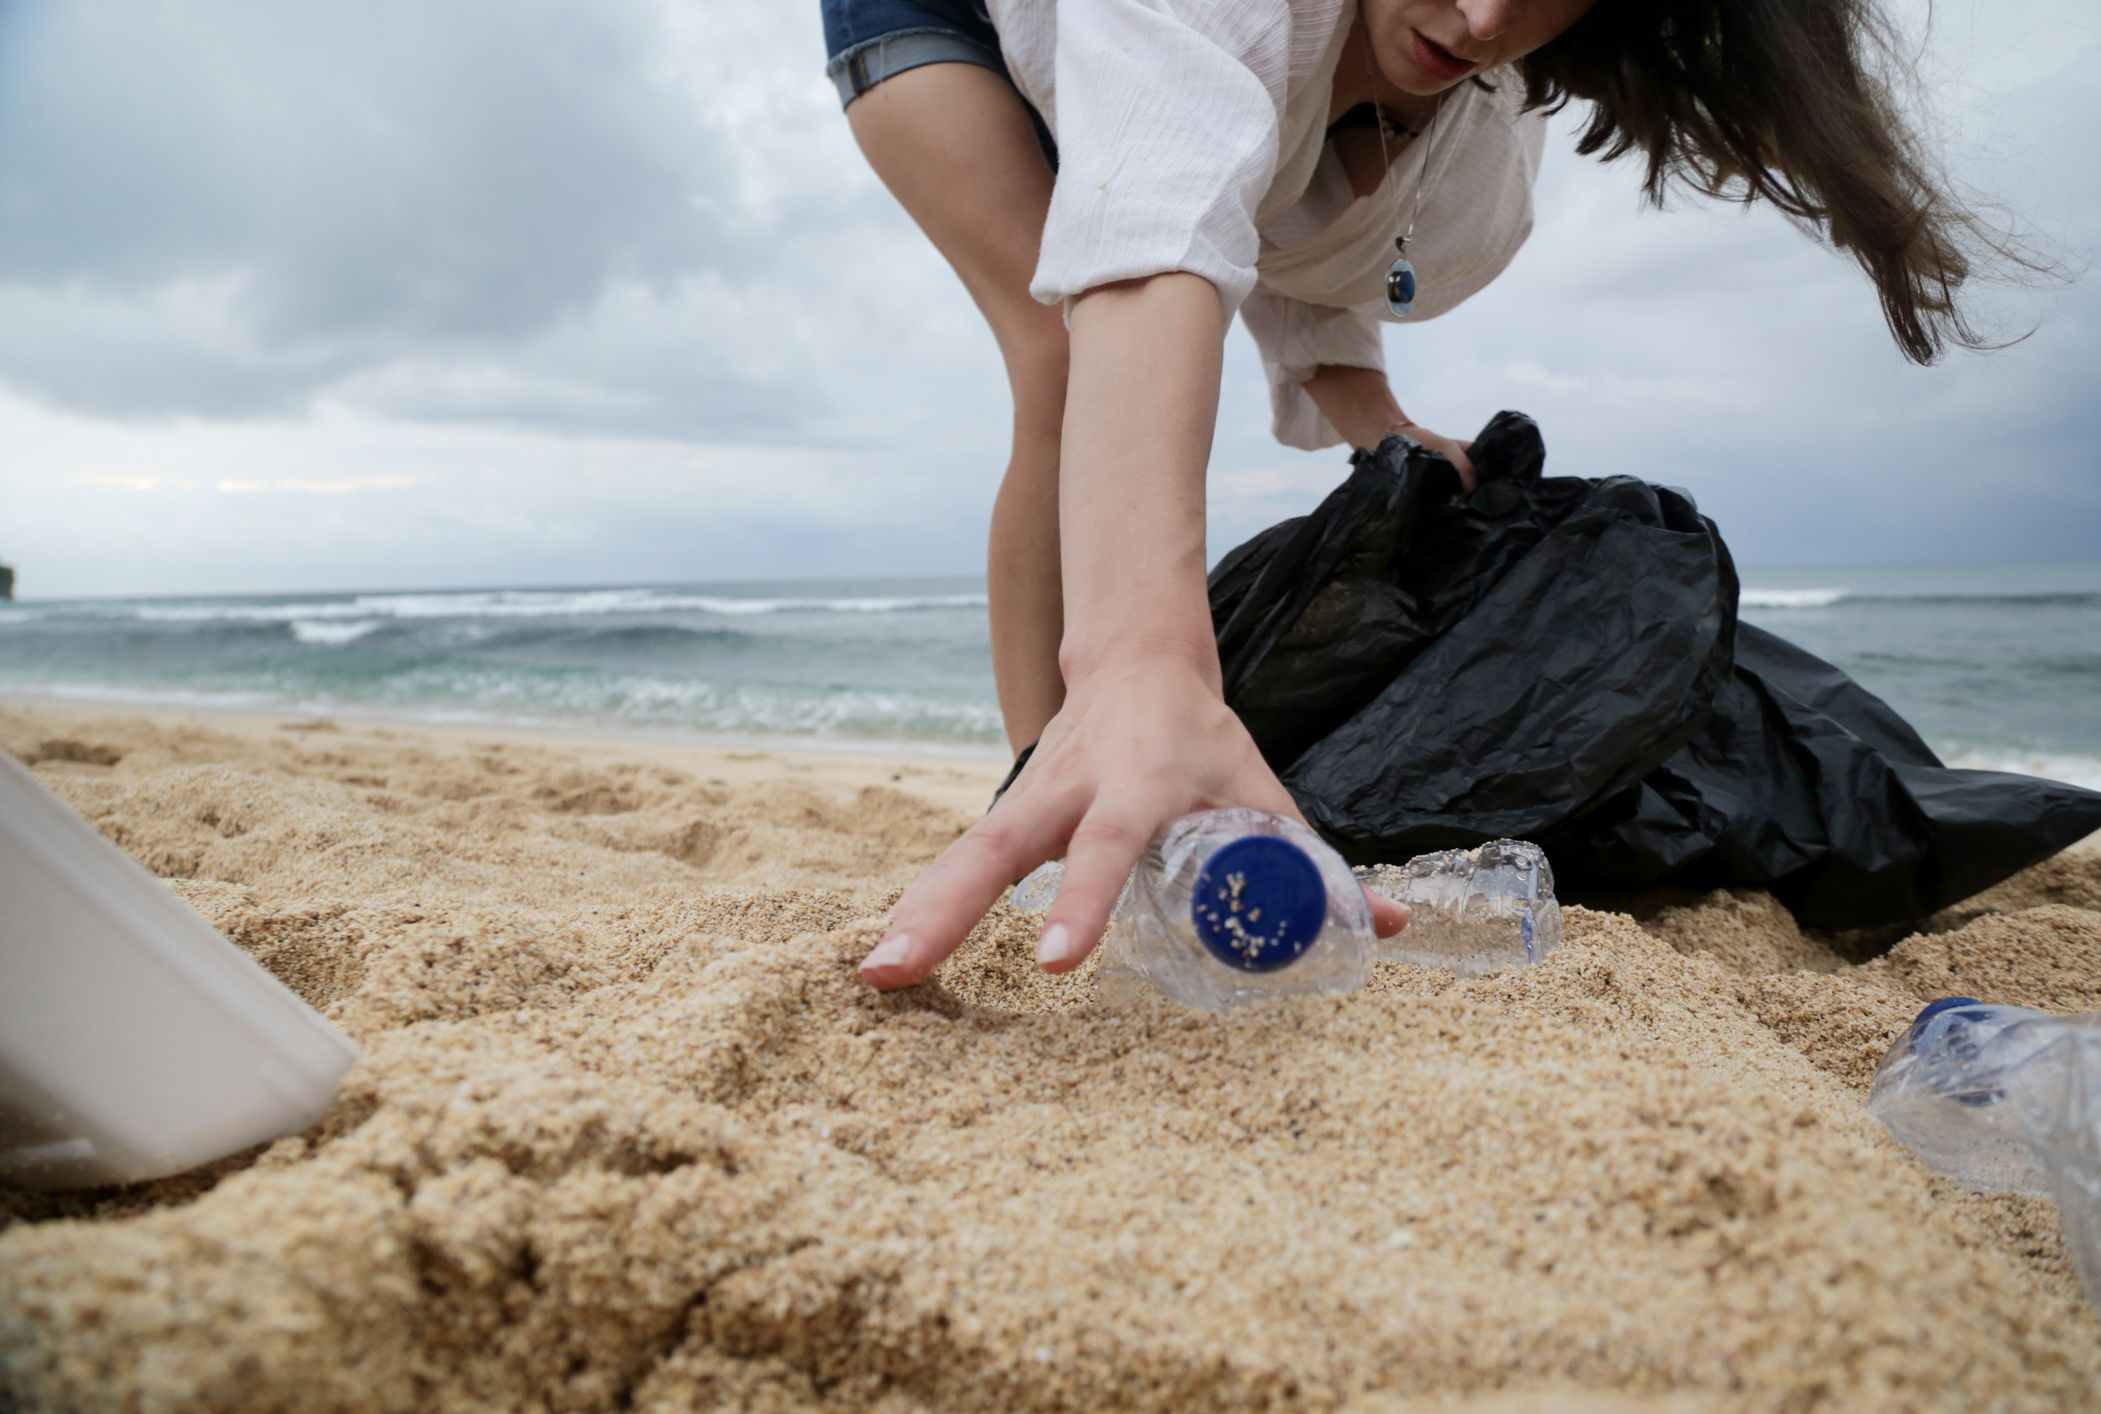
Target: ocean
<point>1997,666</point>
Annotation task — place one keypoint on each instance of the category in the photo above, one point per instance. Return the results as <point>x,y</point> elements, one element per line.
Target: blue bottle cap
<point>1259,903</point>
<point>1986,1095</point>
<point>1935,1008</point>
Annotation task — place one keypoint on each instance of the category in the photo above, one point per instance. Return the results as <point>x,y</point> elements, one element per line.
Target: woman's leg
<point>954,144</point>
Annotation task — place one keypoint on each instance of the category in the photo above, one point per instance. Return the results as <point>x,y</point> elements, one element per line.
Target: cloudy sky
<point>513,292</point>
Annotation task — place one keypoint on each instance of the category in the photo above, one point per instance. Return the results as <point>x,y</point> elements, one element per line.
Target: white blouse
<point>1192,135</point>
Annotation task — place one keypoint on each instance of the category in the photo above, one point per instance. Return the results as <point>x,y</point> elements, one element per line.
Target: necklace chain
<point>1429,133</point>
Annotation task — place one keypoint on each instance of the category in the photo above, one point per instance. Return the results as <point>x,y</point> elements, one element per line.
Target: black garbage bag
<point>1559,659</point>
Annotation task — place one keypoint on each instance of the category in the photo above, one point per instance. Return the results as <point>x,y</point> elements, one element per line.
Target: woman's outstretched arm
<point>1144,735</point>
<point>1141,403</point>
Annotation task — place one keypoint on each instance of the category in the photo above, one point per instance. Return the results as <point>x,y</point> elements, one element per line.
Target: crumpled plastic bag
<point>1559,659</point>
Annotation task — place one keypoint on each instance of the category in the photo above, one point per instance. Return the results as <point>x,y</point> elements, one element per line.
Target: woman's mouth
<point>1437,61</point>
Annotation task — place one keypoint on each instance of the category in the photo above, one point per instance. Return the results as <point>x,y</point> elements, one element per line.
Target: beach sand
<point>629,1133</point>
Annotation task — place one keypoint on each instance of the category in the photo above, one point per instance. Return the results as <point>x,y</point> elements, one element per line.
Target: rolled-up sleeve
<point>1295,338</point>
<point>1168,123</point>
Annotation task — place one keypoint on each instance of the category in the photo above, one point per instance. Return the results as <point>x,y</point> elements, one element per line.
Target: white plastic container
<point>135,1041</point>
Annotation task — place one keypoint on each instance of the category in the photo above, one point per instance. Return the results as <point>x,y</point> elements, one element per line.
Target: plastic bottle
<point>1227,907</point>
<point>2005,1100</point>
<point>1472,910</point>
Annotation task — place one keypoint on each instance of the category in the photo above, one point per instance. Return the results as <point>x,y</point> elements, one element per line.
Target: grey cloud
<point>637,368</point>
<point>356,185</point>
<point>180,350</point>
<point>421,168</point>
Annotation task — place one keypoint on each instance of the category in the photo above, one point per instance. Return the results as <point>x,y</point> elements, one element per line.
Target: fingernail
<point>890,952</point>
<point>1055,946</point>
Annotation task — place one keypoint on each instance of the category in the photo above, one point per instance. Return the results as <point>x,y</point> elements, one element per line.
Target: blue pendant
<point>1400,287</point>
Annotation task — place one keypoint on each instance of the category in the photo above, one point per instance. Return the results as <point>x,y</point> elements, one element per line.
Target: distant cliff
<point>7,582</point>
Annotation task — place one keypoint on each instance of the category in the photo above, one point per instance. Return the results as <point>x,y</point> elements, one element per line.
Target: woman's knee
<point>1036,374</point>
<point>1037,377</point>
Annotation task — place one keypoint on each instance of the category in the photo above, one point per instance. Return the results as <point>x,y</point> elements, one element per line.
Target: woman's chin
<point>1417,86</point>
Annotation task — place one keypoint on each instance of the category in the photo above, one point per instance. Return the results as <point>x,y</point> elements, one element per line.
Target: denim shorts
<point>867,41</point>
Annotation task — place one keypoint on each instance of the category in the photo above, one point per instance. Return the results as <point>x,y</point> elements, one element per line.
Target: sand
<point>629,1133</point>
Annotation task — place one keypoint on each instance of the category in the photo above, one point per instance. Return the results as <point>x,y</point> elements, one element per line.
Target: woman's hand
<point>1451,451</point>
<point>1359,403</point>
<point>1143,739</point>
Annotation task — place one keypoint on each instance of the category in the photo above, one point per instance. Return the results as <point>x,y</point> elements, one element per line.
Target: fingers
<point>945,902</point>
<point>1388,916</point>
<point>1101,838</point>
<point>932,918</point>
<point>1104,848</point>
<point>1463,464</point>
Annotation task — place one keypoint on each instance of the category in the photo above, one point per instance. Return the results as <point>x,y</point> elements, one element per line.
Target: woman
<point>1115,179</point>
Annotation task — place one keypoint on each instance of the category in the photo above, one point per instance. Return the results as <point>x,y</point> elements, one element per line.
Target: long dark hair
<point>1791,102</point>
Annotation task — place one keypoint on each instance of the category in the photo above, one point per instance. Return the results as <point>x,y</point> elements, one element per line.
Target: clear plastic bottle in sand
<point>1472,910</point>
<point>1227,907</point>
<point>2005,1100</point>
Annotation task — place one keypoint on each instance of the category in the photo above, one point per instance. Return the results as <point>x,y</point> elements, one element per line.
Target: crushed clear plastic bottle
<point>1472,910</point>
<point>2004,1099</point>
<point>1227,907</point>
